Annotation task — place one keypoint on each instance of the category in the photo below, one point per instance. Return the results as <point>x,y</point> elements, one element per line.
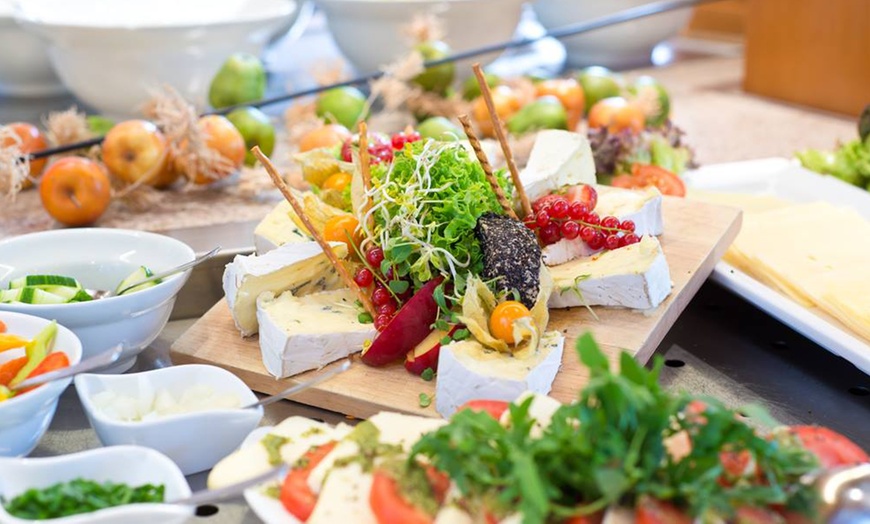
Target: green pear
<point>240,80</point>
<point>436,79</point>
<point>257,130</point>
<point>546,112</point>
<point>440,128</point>
<point>471,88</point>
<point>343,105</point>
<point>599,83</point>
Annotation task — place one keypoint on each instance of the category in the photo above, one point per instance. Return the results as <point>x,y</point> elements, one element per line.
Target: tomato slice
<point>439,481</point>
<point>594,518</point>
<point>388,504</point>
<point>652,511</point>
<point>831,448</point>
<point>645,175</point>
<point>495,408</point>
<point>752,515</point>
<point>11,368</point>
<point>296,495</point>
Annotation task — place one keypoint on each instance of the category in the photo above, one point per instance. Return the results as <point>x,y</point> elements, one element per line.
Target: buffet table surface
<point>721,345</point>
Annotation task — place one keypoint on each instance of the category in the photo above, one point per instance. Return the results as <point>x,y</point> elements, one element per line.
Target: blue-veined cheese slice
<point>468,371</point>
<point>641,206</point>
<point>300,268</point>
<point>277,229</point>
<point>558,158</point>
<point>302,333</point>
<point>635,276</point>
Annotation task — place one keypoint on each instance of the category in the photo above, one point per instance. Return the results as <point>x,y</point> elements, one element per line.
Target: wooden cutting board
<point>696,236</point>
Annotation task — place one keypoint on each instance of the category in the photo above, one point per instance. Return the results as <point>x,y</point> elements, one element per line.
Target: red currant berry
<point>592,218</point>
<point>578,210</point>
<point>542,218</point>
<point>597,241</point>
<point>382,321</point>
<point>611,242</point>
<point>610,222</point>
<point>587,233</point>
<point>570,230</point>
<point>413,136</point>
<point>627,225</point>
<point>550,234</point>
<point>629,239</point>
<point>375,256</point>
<point>363,277</point>
<point>381,296</point>
<point>531,223</point>
<point>559,208</point>
<point>390,274</point>
<point>387,309</point>
<point>398,141</point>
<point>346,148</point>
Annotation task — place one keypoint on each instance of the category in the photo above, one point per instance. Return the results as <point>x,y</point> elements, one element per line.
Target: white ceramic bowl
<point>112,53</point>
<point>195,441</point>
<point>369,32</point>
<point>100,258</point>
<point>131,465</point>
<point>622,46</point>
<point>24,418</point>
<point>25,70</point>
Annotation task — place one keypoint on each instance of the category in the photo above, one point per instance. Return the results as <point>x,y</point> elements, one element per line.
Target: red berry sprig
<point>370,278</point>
<point>556,218</point>
<point>381,149</point>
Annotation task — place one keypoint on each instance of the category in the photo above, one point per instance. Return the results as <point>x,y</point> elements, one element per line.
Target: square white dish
<point>786,179</point>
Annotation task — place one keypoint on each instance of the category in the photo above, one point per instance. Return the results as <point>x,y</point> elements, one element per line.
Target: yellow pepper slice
<point>5,393</point>
<point>8,341</point>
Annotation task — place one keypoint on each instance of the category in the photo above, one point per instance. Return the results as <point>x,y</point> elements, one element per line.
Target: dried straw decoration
<point>14,166</point>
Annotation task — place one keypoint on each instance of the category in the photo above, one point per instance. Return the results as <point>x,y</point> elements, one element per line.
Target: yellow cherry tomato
<point>340,228</point>
<point>501,322</point>
<point>337,181</point>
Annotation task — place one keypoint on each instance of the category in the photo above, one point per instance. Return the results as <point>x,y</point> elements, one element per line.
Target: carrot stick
<point>9,369</point>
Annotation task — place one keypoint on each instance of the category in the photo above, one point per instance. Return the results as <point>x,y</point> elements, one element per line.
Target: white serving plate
<point>266,508</point>
<point>786,179</point>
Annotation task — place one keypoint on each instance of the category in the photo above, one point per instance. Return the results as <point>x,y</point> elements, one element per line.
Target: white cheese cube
<point>643,207</point>
<point>635,276</point>
<point>302,333</point>
<point>277,229</point>
<point>559,158</point>
<point>468,371</point>
<point>300,268</point>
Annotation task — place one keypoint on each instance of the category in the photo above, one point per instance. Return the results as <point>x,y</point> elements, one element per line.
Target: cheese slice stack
<point>817,254</point>
<point>635,276</point>
<point>277,229</point>
<point>558,159</point>
<point>643,207</point>
<point>301,268</point>
<point>302,333</point>
<point>468,371</point>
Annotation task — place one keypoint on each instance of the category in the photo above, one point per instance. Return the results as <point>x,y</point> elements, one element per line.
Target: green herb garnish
<point>428,374</point>
<point>79,496</point>
<point>425,400</point>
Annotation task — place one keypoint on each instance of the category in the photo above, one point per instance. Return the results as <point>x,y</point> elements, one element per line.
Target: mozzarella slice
<point>467,371</point>
<point>277,229</point>
<point>344,498</point>
<point>302,333</point>
<point>643,207</point>
<point>541,409</point>
<point>253,460</point>
<point>452,515</point>
<point>635,276</point>
<point>300,268</point>
<point>558,158</point>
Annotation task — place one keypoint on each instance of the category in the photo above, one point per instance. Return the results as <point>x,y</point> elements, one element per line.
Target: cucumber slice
<point>71,294</point>
<point>137,276</point>
<point>43,281</point>
<point>30,295</point>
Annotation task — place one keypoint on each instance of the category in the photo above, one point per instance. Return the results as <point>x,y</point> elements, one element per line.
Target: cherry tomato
<point>569,92</point>
<point>388,504</point>
<point>495,408</point>
<point>617,114</point>
<point>501,322</point>
<point>652,511</point>
<point>296,496</point>
<point>831,448</point>
<point>341,228</point>
<point>645,175</point>
<point>337,181</point>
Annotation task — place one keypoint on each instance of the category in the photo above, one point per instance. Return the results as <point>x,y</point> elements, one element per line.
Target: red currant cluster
<point>384,300</point>
<point>380,147</point>
<point>555,218</point>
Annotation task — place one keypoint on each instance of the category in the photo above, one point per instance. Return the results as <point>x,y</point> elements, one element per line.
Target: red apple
<point>75,191</point>
<point>425,355</point>
<point>408,328</point>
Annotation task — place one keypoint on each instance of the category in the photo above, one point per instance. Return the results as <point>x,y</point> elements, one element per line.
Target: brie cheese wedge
<point>643,207</point>
<point>302,333</point>
<point>468,371</point>
<point>300,268</point>
<point>559,158</point>
<point>635,276</point>
<point>277,229</point>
